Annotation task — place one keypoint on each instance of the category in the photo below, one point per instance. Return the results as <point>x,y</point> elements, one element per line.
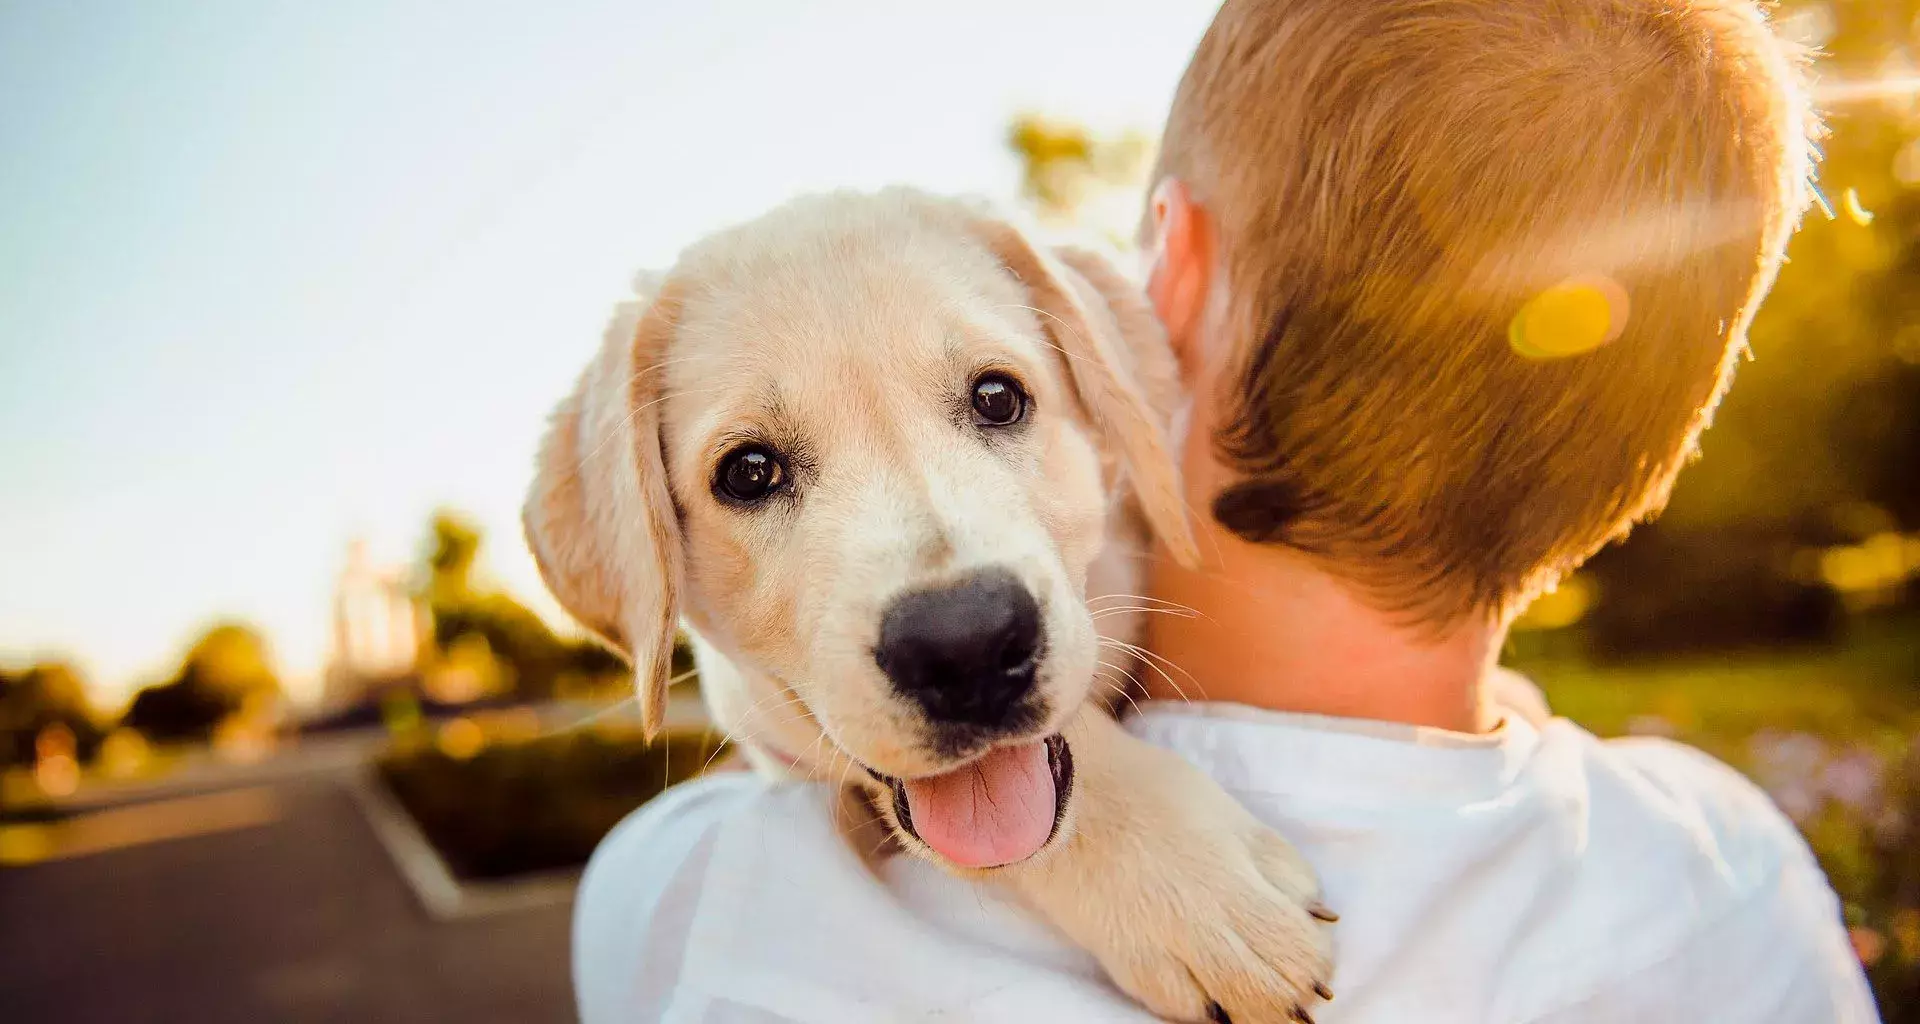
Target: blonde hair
<point>1391,181</point>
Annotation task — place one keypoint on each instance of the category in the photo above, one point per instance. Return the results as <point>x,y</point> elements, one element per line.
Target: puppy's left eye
<point>998,401</point>
<point>749,474</point>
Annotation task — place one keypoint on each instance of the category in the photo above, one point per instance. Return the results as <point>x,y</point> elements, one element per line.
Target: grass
<point>1864,692</point>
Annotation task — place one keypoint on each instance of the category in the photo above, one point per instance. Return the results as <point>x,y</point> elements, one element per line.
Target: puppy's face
<point>866,445</point>
<point>887,491</point>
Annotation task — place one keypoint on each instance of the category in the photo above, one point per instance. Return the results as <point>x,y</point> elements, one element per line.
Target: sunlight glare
<point>1833,94</point>
<point>1860,215</point>
<point>1573,317</point>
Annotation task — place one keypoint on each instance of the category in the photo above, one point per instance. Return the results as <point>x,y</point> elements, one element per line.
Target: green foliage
<point>226,671</point>
<point>452,550</point>
<point>1858,692</point>
<point>1072,176</point>
<point>541,804</point>
<point>1839,337</point>
<point>535,662</point>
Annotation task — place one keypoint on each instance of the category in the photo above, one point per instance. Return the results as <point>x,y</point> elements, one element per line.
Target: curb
<point>441,894</point>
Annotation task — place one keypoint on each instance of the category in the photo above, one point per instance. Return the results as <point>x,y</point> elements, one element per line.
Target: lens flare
<point>1568,319</point>
<point>462,739</point>
<point>1855,212</point>
<point>1890,87</point>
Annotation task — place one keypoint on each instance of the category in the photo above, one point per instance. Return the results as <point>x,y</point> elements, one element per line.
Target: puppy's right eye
<point>998,401</point>
<point>749,474</point>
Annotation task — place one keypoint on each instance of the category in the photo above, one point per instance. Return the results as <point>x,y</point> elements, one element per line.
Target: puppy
<point>895,468</point>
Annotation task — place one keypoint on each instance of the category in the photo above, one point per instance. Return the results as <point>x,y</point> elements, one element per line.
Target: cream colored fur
<point>844,328</point>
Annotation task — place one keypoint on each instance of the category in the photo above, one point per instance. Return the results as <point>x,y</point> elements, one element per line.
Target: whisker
<point>1154,656</point>
<point>1101,613</point>
<point>760,705</point>
<point>1129,676</point>
<point>1148,658</point>
<point>593,717</point>
<point>845,770</point>
<point>1123,691</point>
<point>1146,598</point>
<point>624,704</point>
<point>813,760</point>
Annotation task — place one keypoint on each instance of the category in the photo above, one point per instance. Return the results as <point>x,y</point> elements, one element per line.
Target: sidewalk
<point>298,917</point>
<point>260,892</point>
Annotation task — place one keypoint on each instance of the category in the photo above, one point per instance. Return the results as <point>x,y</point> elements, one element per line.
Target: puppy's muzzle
<point>967,653</point>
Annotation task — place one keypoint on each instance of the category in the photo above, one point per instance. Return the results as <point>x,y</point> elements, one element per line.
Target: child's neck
<point>1272,630</point>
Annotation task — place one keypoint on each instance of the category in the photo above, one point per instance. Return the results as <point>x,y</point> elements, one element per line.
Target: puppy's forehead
<point>844,314</point>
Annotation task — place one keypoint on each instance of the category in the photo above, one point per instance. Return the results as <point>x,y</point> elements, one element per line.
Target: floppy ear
<point>1117,357</point>
<point>599,518</point>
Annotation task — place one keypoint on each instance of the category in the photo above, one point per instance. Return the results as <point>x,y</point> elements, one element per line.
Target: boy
<point>1455,285</point>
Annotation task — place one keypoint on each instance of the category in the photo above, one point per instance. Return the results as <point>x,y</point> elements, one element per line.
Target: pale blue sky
<point>276,274</point>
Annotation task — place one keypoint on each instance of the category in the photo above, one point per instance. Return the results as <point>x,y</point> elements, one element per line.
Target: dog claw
<point>1218,1014</point>
<point>1301,1015</point>
<point>1320,989</point>
<point>1320,911</point>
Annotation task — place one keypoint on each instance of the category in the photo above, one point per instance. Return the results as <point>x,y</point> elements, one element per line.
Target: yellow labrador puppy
<point>894,467</point>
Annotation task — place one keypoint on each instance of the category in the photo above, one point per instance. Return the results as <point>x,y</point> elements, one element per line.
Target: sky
<point>274,276</point>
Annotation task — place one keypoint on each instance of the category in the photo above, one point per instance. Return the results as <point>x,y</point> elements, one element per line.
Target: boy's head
<point>1382,226</point>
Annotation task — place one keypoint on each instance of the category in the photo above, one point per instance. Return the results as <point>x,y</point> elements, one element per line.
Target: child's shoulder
<point>1712,889</point>
<point>1649,797</point>
<point>1666,783</point>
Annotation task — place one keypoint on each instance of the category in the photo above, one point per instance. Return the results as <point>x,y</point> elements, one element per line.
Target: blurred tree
<point>452,549</point>
<point>1878,415</point>
<point>1073,177</point>
<point>534,662</point>
<point>1818,443</point>
<point>225,671</point>
<point>1824,412</point>
<point>42,697</point>
<point>1056,160</point>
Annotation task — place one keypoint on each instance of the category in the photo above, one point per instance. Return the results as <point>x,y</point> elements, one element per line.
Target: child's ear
<point>1180,271</point>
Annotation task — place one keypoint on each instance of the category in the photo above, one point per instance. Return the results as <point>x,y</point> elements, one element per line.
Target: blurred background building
<point>379,624</point>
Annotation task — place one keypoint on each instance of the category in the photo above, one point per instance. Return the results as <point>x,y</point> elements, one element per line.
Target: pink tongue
<point>994,811</point>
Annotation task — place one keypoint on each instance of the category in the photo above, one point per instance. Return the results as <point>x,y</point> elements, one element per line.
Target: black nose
<point>965,653</point>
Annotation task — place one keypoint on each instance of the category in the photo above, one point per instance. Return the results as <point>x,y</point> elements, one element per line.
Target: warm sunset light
<point>1843,93</point>
<point>1538,382</point>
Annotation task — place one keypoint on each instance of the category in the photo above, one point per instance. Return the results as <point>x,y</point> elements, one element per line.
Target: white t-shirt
<point>1535,874</point>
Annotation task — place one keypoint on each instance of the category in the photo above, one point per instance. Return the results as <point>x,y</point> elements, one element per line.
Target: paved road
<point>300,919</point>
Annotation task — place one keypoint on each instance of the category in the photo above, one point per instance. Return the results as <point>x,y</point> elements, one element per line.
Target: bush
<point>226,671</point>
<point>42,698</point>
<point>1666,592</point>
<point>540,804</point>
<point>182,711</point>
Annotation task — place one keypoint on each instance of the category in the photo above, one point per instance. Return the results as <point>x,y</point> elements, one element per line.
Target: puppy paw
<point>1192,906</point>
<point>1239,936</point>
